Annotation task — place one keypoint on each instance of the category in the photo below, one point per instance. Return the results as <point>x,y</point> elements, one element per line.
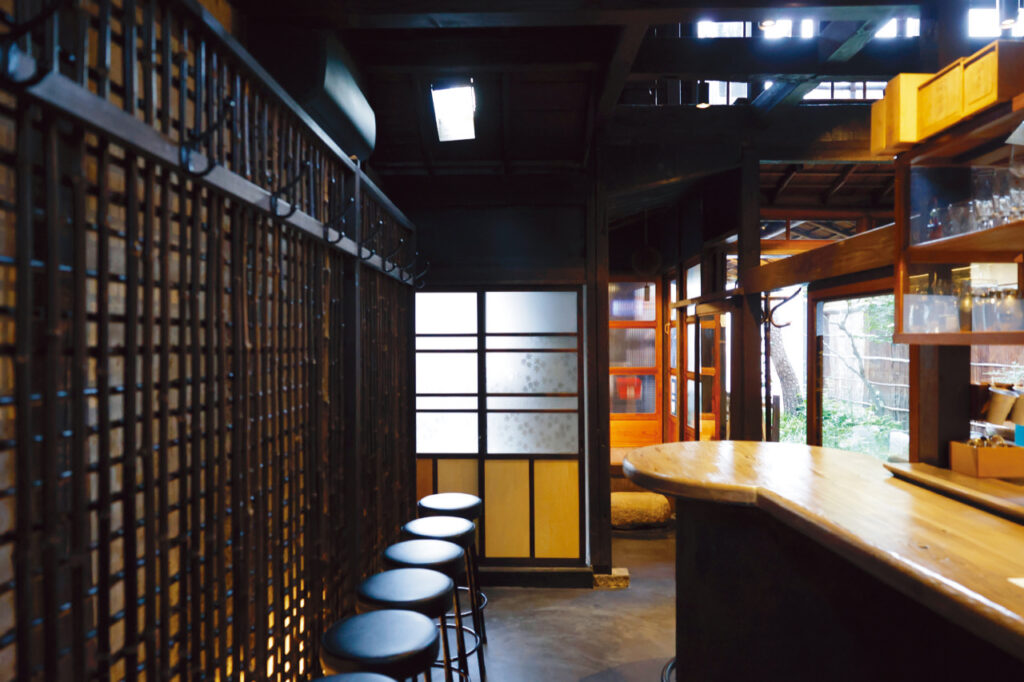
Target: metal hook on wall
<point>19,69</point>
<point>288,188</point>
<point>418,277</point>
<point>337,223</point>
<point>773,308</point>
<point>406,269</point>
<point>196,139</point>
<point>390,258</point>
<point>364,242</point>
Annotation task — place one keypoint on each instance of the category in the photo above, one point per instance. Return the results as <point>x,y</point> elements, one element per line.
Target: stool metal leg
<point>461,639</point>
<point>444,649</point>
<point>475,589</point>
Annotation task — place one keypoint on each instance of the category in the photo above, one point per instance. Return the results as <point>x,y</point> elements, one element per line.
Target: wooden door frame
<point>670,432</point>
<point>657,370</point>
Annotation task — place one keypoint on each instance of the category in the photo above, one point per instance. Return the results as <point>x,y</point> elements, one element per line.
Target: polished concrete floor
<point>569,635</point>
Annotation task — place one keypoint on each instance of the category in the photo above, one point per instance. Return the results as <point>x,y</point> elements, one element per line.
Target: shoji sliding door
<point>499,381</point>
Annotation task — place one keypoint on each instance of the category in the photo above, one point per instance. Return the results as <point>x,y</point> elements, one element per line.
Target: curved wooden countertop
<point>961,562</point>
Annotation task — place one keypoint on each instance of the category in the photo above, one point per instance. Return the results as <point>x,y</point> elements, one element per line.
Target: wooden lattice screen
<point>205,416</point>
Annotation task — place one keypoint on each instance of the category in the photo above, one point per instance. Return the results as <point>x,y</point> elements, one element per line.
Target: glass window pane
<point>632,394</point>
<point>532,373</point>
<point>446,313</point>
<point>633,301</point>
<point>532,403</point>
<point>532,433</point>
<point>865,387</point>
<point>438,403</point>
<point>707,347</point>
<point>789,362</point>
<point>451,432</point>
<point>538,312</point>
<point>673,384</point>
<point>530,342</point>
<point>693,282</point>
<point>673,342</point>
<point>707,387</point>
<point>691,403</point>
<point>631,347</point>
<point>673,296</point>
<point>446,373</point>
<point>446,343</point>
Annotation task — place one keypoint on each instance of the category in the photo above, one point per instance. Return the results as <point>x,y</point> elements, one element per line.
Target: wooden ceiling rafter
<point>834,188</point>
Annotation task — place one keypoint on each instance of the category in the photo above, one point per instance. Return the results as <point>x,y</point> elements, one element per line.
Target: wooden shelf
<point>1003,497</point>
<point>999,244</point>
<point>960,338</point>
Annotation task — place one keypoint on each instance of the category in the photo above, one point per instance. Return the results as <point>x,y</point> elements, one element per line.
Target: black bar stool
<point>402,644</point>
<point>448,558</point>
<point>467,507</point>
<point>355,677</point>
<point>462,532</point>
<point>416,589</point>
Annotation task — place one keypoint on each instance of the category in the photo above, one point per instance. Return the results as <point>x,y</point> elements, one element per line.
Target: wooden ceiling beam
<point>844,176</point>
<point>621,63</point>
<point>786,179</point>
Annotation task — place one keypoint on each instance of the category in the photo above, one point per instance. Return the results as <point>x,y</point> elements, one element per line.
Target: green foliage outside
<point>843,427</point>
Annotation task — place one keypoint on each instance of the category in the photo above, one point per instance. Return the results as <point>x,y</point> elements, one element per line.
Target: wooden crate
<point>894,118</point>
<point>879,144</point>
<point>1003,462</point>
<point>940,100</point>
<point>993,74</point>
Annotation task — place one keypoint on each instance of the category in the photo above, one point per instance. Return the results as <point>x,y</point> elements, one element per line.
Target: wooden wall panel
<point>458,476</point>
<point>507,510</point>
<point>424,477</point>
<point>634,433</point>
<point>556,506</point>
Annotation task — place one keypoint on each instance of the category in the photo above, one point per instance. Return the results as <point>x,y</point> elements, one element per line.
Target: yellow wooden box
<point>993,74</point>
<point>940,100</point>
<point>878,140</point>
<point>894,118</point>
<point>1004,462</point>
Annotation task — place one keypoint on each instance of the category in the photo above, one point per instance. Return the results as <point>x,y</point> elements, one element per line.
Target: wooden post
<point>940,401</point>
<point>598,409</point>
<point>745,404</point>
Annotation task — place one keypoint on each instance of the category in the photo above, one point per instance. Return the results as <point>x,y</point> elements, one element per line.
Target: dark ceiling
<point>550,78</point>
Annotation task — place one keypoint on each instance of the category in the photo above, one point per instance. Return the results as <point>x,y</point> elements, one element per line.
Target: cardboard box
<point>985,462</point>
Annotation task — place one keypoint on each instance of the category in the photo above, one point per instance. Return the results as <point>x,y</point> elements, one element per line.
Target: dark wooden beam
<point>840,41</point>
<point>621,63</point>
<point>786,179</point>
<point>506,122</point>
<point>838,184</point>
<point>431,14</point>
<point>885,191</point>
<point>755,58</point>
<point>424,120</point>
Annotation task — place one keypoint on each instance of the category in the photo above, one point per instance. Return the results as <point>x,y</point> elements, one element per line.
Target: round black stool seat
<point>416,589</point>
<point>451,528</point>
<point>355,677</point>
<point>440,555</point>
<point>389,642</point>
<point>451,504</point>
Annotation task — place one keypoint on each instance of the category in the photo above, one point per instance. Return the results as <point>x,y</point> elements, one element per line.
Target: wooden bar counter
<point>799,562</point>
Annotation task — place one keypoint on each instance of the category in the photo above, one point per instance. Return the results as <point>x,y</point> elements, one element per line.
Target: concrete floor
<point>569,635</point>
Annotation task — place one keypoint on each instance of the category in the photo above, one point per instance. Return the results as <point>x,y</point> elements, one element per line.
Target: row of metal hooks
<point>285,194</point>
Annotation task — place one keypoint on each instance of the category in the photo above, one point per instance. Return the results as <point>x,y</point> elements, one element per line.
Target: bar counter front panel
<point>799,562</point>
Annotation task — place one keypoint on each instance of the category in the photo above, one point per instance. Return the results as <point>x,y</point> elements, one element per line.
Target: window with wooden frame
<point>634,349</point>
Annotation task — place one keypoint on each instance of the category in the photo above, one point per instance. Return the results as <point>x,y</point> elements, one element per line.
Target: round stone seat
<point>451,504</point>
<point>439,555</point>
<point>389,642</point>
<point>637,510</point>
<point>416,589</point>
<point>455,529</point>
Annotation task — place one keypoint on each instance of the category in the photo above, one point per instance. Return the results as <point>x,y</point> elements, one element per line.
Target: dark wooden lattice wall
<point>205,434</point>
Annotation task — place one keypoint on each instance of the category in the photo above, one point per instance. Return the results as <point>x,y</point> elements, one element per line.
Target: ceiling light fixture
<point>765,24</point>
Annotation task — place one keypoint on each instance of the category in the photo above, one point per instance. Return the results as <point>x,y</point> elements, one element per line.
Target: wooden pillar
<point>352,372</point>
<point>745,402</point>
<point>598,407</point>
<point>940,401</point>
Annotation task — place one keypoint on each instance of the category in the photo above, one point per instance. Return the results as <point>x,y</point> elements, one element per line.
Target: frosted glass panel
<point>533,403</point>
<point>693,282</point>
<point>673,351</point>
<point>634,301</point>
<point>532,433</point>
<point>531,373</point>
<point>452,432</point>
<point>446,313</point>
<point>691,340</point>
<point>435,403</point>
<point>538,312</point>
<point>632,394</point>
<point>446,373</point>
<point>446,343</point>
<point>530,342</point>
<point>691,403</point>
<point>631,348</point>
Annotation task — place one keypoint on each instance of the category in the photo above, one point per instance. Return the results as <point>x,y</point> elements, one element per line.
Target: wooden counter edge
<point>710,492</point>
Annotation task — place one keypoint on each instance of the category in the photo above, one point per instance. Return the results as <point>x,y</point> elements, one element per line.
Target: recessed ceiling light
<point>453,110</point>
<point>703,105</point>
